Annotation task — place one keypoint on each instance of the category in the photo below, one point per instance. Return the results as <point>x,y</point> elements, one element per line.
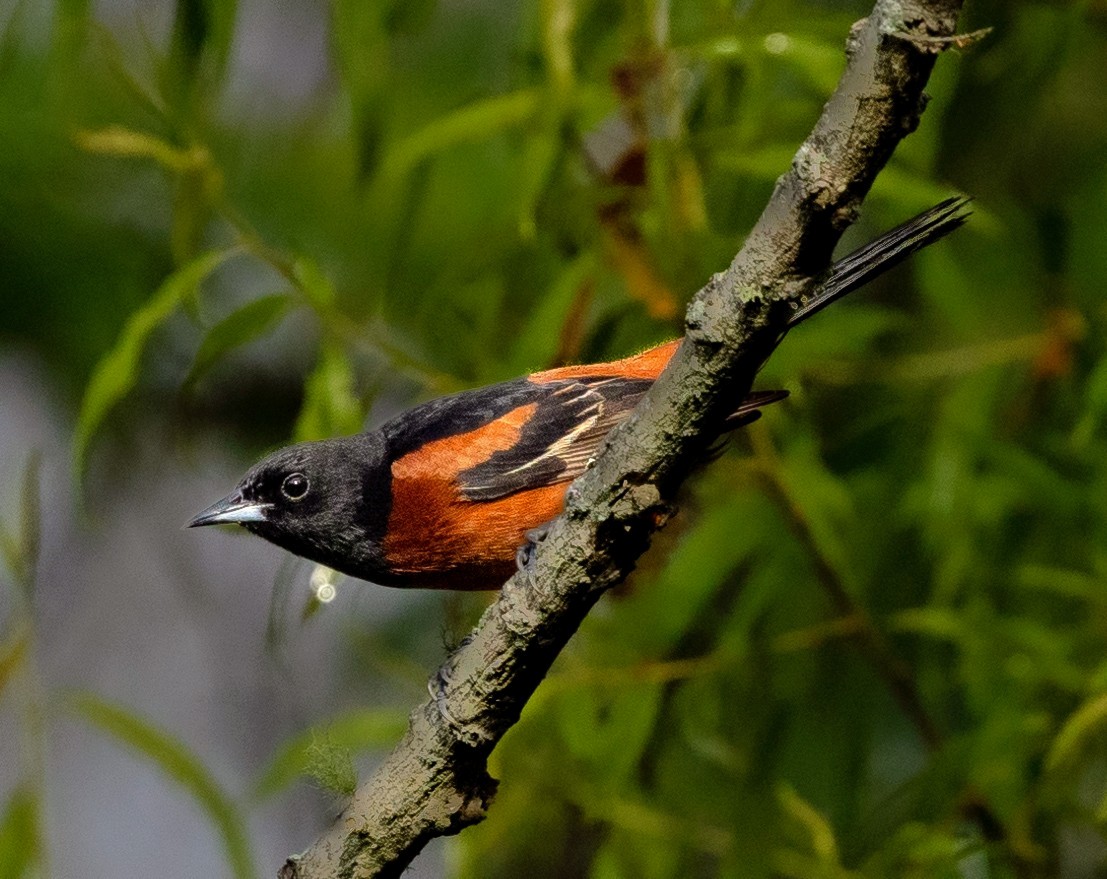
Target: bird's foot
<point>524,555</point>
<point>438,686</point>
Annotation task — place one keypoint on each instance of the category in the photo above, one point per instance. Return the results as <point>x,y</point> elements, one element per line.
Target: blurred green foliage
<point>165,752</point>
<point>874,643</point>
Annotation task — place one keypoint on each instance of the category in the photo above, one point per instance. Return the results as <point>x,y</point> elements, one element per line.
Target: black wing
<point>571,420</point>
<point>456,414</point>
<point>566,431</point>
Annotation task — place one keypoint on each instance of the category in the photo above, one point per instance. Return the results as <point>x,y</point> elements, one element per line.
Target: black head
<point>326,501</point>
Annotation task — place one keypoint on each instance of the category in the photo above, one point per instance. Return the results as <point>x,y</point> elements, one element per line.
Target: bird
<point>444,495</point>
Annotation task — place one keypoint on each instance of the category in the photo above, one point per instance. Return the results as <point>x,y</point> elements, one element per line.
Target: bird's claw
<point>524,555</point>
<point>437,688</point>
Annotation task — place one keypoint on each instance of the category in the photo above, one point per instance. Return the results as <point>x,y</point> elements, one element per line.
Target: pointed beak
<point>232,510</point>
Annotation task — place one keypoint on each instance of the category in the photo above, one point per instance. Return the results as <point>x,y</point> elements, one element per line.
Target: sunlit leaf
<point>117,372</point>
<point>935,622</point>
<point>182,766</point>
<point>248,323</point>
<point>356,731</point>
<point>1083,728</point>
<point>198,180</point>
<point>192,201</point>
<point>559,20</point>
<point>1062,581</point>
<point>818,828</point>
<point>125,143</point>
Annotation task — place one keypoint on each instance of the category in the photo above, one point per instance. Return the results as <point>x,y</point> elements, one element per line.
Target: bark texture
<point>436,781</point>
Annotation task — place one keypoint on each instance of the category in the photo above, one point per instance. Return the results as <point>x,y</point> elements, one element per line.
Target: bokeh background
<point>874,643</point>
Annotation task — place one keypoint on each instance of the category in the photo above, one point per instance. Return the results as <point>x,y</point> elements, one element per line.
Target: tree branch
<point>436,781</point>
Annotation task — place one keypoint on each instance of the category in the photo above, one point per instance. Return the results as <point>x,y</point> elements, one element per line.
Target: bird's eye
<point>295,486</point>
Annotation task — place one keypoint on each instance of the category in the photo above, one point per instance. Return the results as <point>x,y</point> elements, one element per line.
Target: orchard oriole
<point>443,495</point>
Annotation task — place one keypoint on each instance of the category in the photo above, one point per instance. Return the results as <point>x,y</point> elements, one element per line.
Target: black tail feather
<point>750,410</point>
<point>890,249</point>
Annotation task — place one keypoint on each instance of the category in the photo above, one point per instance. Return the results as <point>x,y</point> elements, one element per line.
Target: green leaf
<point>182,766</point>
<point>409,16</point>
<point>315,285</point>
<point>19,834</point>
<point>608,730</point>
<point>476,122</point>
<point>9,548</point>
<point>1061,581</point>
<point>1095,405</point>
<point>896,185</point>
<point>938,623</point>
<point>117,372</point>
<point>203,33</point>
<point>823,501</point>
<point>21,549</point>
<point>559,22</point>
<point>331,766</point>
<point>540,160</point>
<point>250,322</point>
<point>536,345</point>
<point>819,61</point>
<point>765,164</point>
<point>125,143</point>
<point>355,731</point>
<point>907,190</point>
<point>361,50</point>
<point>816,826</point>
<point>12,35</point>
<point>138,91</point>
<point>219,40</point>
<point>1082,729</point>
<point>331,408</point>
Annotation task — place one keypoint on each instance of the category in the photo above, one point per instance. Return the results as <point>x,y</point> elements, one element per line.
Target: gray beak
<point>232,510</point>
